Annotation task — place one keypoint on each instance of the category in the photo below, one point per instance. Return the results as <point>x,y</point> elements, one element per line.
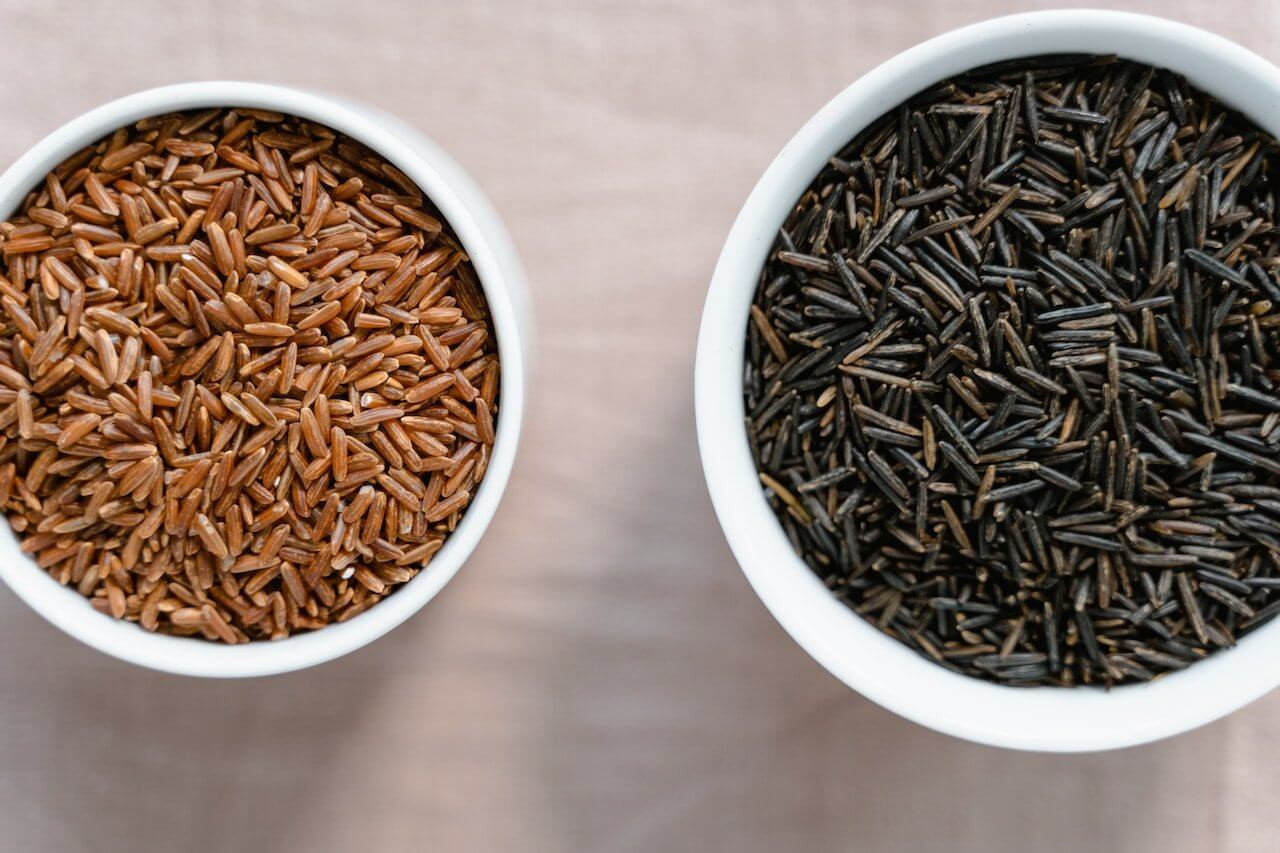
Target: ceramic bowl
<point>879,667</point>
<point>485,239</point>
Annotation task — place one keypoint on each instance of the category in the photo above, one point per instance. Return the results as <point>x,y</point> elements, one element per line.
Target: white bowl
<point>1042,718</point>
<point>482,234</point>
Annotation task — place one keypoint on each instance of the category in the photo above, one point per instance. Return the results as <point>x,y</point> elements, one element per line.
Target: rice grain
<point>237,376</point>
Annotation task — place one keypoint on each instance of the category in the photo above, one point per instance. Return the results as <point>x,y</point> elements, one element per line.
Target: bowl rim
<point>498,268</point>
<point>1050,719</point>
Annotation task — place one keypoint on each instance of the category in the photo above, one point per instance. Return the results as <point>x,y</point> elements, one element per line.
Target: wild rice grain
<point>1012,373</point>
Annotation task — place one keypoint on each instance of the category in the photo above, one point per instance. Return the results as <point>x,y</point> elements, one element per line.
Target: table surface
<point>599,676</point>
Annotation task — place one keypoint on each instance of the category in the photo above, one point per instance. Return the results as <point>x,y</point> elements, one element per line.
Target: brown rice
<point>247,381</point>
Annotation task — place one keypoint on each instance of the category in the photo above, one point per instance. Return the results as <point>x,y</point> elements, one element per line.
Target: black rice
<point>1013,373</point>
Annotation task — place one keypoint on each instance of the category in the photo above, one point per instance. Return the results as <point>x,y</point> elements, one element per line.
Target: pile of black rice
<point>1012,373</point>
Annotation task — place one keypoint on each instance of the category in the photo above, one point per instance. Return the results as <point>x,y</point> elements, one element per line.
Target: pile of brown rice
<point>247,383</point>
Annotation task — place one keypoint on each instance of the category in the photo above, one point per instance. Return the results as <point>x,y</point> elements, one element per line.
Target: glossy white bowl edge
<point>880,668</point>
<point>498,267</point>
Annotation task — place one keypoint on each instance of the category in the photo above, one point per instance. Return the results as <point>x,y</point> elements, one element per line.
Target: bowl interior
<point>484,238</point>
<point>1042,718</point>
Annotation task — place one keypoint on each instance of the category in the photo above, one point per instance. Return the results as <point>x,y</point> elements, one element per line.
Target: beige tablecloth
<point>599,676</point>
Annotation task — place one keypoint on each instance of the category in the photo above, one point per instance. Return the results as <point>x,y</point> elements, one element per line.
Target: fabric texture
<point>599,676</point>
